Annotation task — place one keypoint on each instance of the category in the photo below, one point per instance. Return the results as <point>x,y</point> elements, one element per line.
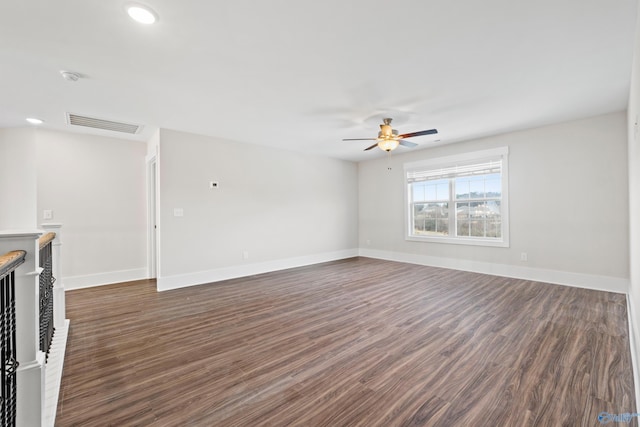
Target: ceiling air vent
<point>92,122</point>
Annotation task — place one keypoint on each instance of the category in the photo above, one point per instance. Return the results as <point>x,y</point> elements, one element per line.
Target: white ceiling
<point>303,74</point>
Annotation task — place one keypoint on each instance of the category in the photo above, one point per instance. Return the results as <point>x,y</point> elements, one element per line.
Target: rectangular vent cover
<point>92,122</point>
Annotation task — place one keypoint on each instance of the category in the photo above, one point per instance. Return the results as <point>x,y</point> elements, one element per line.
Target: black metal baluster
<point>8,362</point>
<point>46,298</point>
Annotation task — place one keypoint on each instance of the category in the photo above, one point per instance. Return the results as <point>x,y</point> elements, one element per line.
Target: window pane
<point>479,219</point>
<point>462,188</point>
<point>431,219</point>
<point>437,210</point>
<point>494,229</point>
<point>430,192</point>
<point>443,226</point>
<point>477,228</point>
<point>443,189</point>
<point>462,211</point>
<point>493,186</point>
<point>477,210</point>
<point>493,210</point>
<point>417,190</point>
<point>445,210</point>
<point>476,187</point>
<point>463,228</point>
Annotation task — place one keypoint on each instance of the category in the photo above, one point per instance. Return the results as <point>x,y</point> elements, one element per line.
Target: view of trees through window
<point>475,200</point>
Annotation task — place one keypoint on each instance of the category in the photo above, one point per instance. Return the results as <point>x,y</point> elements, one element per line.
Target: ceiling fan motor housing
<point>386,132</point>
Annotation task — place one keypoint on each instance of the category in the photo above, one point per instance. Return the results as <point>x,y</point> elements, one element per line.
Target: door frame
<point>153,243</point>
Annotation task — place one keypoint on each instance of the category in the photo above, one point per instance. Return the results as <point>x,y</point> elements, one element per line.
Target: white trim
<point>469,241</point>
<point>633,339</point>
<point>106,278</point>
<point>462,157</point>
<point>20,234</point>
<point>30,399</point>
<point>35,364</point>
<point>152,216</point>
<point>53,373</point>
<point>233,272</point>
<point>567,278</point>
<point>50,225</point>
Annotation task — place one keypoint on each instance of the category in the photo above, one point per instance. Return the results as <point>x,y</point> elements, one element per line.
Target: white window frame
<point>501,153</point>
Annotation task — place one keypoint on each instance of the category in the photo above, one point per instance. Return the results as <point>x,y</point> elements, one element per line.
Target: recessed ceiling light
<point>35,121</point>
<point>140,13</point>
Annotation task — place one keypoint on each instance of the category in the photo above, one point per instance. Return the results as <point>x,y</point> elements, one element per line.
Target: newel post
<point>30,373</point>
<point>58,286</point>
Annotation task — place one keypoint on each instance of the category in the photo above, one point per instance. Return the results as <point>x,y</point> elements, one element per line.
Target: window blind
<point>490,166</point>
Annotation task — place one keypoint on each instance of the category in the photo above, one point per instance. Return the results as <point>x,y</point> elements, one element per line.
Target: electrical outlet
<point>523,256</point>
<point>178,212</point>
<point>47,214</point>
<point>245,255</point>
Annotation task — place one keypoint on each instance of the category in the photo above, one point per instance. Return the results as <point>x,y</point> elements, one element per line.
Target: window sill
<point>460,241</point>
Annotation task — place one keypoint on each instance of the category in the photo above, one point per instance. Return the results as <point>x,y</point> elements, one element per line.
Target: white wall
<point>18,179</point>
<point>283,208</point>
<point>634,200</point>
<point>568,206</point>
<point>95,187</point>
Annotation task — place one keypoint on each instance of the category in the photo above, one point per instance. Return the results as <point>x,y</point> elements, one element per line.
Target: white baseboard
<point>233,272</point>
<point>579,280</point>
<point>106,278</point>
<point>633,339</point>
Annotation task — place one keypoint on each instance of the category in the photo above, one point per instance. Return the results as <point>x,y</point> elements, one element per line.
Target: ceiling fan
<point>388,138</point>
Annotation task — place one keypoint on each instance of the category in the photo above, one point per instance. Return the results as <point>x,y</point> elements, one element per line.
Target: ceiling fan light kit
<point>388,144</point>
<point>388,138</point>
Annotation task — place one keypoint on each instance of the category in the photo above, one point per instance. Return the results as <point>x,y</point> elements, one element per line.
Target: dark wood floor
<point>355,342</point>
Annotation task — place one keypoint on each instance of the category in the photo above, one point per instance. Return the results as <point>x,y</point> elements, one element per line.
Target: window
<point>459,199</point>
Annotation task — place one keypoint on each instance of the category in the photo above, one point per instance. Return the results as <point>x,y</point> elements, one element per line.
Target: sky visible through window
<point>479,186</point>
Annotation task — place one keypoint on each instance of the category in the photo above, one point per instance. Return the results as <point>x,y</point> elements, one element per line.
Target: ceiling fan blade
<point>359,139</point>
<point>407,143</point>
<point>422,132</point>
<point>373,146</point>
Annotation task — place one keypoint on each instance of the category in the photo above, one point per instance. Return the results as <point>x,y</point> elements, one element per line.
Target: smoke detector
<point>70,76</point>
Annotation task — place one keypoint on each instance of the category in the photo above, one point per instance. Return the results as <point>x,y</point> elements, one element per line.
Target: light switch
<point>47,214</point>
<point>178,212</point>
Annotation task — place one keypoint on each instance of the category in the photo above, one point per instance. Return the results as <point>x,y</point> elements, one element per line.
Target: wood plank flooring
<point>358,342</point>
